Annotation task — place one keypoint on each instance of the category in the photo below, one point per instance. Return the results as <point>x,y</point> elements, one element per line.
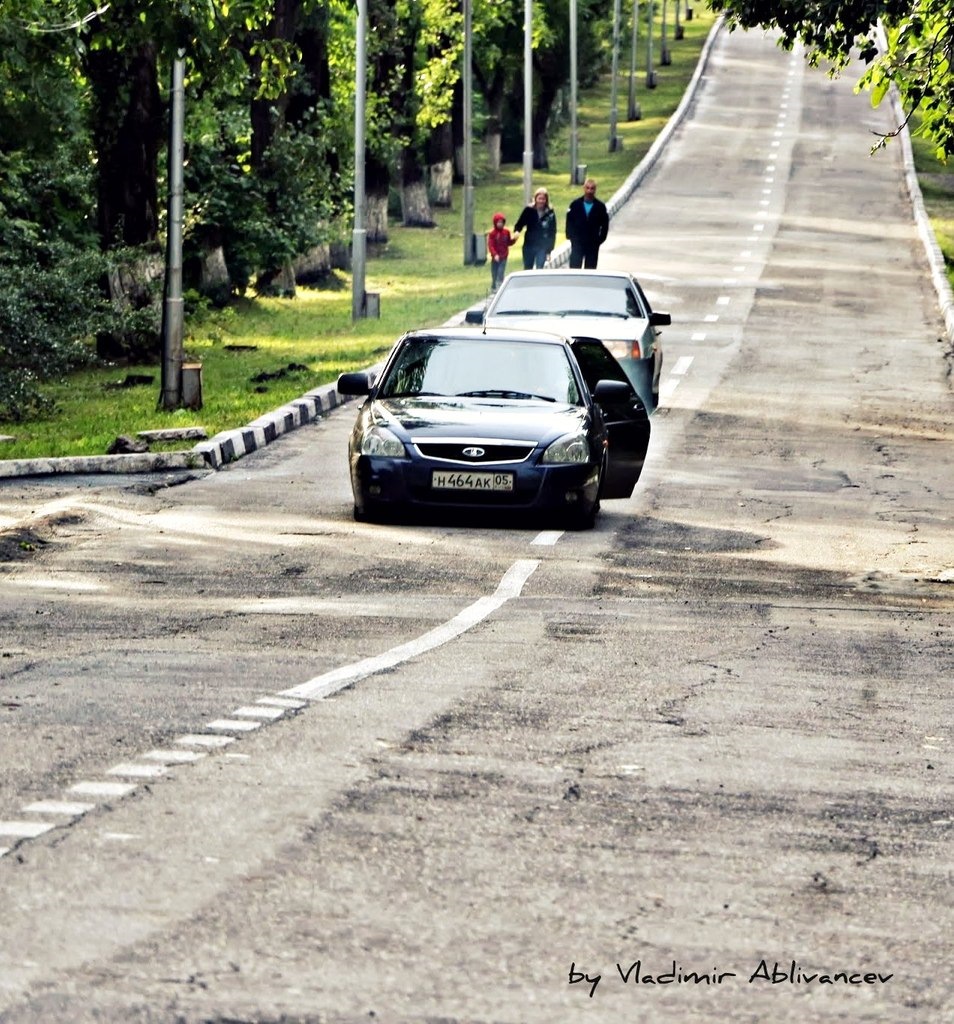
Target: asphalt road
<point>694,765</point>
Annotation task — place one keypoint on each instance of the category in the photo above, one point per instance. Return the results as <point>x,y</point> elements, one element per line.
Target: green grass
<point>937,188</point>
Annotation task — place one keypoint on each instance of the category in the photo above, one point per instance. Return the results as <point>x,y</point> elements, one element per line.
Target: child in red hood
<point>498,246</point>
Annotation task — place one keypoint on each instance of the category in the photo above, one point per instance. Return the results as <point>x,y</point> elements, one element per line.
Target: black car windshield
<point>483,368</point>
<point>566,294</point>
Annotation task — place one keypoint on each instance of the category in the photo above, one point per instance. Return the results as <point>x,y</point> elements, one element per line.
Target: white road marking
<point>682,365</point>
<point>103,788</point>
<point>233,725</point>
<point>137,771</point>
<point>71,807</point>
<point>331,682</point>
<point>192,740</point>
<point>699,336</point>
<point>668,387</point>
<point>173,756</point>
<point>262,711</point>
<point>24,829</point>
<point>547,537</point>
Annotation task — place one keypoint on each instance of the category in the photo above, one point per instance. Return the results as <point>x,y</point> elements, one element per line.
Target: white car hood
<point>602,327</point>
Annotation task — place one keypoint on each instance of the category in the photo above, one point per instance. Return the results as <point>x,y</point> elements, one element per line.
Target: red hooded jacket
<point>499,240</point>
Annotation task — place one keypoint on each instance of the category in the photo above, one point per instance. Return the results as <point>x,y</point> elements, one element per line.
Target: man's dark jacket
<point>587,233</point>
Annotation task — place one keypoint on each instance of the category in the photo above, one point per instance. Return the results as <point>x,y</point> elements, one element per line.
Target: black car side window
<point>597,363</point>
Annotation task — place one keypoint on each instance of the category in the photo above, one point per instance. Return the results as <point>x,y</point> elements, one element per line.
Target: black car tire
<point>584,518</point>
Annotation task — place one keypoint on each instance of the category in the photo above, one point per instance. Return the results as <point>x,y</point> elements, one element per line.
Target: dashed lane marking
<point>331,682</point>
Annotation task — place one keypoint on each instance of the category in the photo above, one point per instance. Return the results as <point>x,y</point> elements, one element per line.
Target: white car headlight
<point>380,441</point>
<point>569,448</point>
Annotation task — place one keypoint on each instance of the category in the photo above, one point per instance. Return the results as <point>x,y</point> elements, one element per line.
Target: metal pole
<point>614,87</point>
<point>172,309</point>
<point>634,113</point>
<point>359,236</point>
<point>650,73</point>
<point>574,133</point>
<point>470,255</point>
<point>665,57</point>
<point>527,99</point>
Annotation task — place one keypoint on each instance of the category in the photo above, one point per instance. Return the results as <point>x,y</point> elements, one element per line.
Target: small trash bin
<point>372,305</point>
<point>192,385</point>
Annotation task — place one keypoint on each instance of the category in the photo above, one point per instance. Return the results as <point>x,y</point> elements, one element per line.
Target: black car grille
<point>474,453</point>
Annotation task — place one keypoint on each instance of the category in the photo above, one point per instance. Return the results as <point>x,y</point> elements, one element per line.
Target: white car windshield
<point>567,295</point>
<point>481,368</point>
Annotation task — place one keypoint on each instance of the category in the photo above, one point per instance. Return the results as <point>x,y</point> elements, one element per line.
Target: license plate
<point>456,481</point>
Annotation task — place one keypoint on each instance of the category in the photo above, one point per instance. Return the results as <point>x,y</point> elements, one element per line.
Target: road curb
<point>214,453</point>
<point>230,445</point>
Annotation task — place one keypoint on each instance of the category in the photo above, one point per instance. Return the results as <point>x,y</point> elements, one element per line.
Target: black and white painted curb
<point>214,453</point>
<point>233,444</point>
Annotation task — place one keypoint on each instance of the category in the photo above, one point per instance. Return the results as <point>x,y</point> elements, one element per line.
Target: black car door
<point>627,421</point>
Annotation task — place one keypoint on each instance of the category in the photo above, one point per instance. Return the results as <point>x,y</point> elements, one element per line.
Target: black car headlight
<point>571,448</point>
<point>381,442</point>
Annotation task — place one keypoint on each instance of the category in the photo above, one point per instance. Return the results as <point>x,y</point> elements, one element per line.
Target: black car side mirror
<point>613,392</point>
<point>358,382</point>
<point>474,316</point>
<point>660,319</point>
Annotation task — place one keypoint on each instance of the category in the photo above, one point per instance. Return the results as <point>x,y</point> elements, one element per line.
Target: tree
<point>914,52</point>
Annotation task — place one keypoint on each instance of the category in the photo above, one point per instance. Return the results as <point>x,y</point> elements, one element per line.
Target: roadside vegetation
<point>937,187</point>
<point>260,352</point>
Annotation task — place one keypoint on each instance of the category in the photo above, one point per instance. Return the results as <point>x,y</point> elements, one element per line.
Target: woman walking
<point>538,222</point>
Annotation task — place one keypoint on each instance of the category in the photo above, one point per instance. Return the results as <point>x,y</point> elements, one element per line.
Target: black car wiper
<point>521,312</point>
<point>416,394</point>
<point>503,393</point>
<point>591,312</point>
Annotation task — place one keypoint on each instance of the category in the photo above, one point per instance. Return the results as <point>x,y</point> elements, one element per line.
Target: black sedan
<point>480,420</point>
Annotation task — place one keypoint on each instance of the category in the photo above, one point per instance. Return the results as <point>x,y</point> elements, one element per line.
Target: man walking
<point>587,224</point>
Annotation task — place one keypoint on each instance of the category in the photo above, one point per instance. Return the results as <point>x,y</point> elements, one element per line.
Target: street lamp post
<point>574,134</point>
<point>650,72</point>
<point>664,56</point>
<point>614,88</point>
<point>359,236</point>
<point>634,113</point>
<point>527,99</point>
<point>470,256</point>
<point>172,307</point>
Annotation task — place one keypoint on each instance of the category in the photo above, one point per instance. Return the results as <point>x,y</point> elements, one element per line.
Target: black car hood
<point>485,417</point>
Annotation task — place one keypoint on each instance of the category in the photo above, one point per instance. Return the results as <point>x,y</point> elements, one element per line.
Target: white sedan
<point>608,305</point>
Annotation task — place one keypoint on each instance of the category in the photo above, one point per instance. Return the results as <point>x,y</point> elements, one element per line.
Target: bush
<point>49,310</point>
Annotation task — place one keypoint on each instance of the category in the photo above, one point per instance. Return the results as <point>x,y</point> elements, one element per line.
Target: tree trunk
<point>492,145</point>
<point>415,204</point>
<point>127,135</point>
<point>442,182</point>
<point>377,218</point>
<point>377,181</point>
<point>440,156</point>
